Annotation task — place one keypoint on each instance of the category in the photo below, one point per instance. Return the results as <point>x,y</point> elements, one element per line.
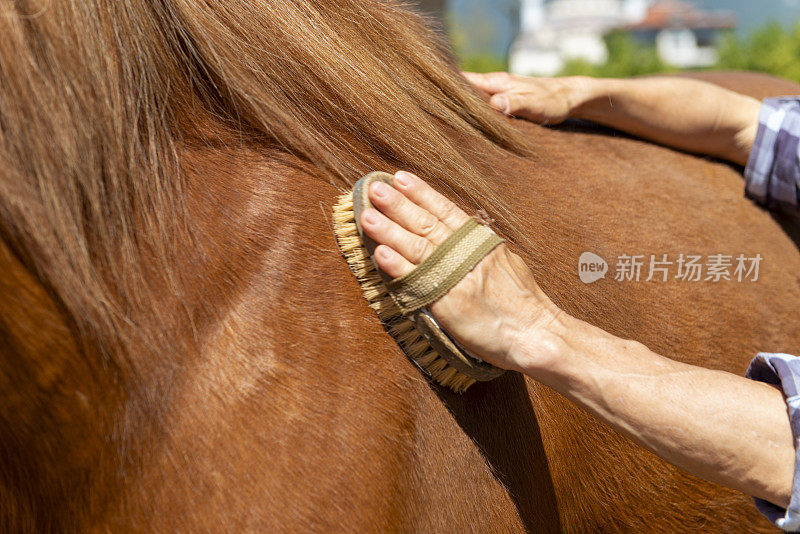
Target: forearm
<point>713,424</point>
<point>686,114</point>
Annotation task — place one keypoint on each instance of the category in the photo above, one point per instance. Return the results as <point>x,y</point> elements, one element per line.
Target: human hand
<point>542,100</point>
<point>494,307</point>
<point>687,114</point>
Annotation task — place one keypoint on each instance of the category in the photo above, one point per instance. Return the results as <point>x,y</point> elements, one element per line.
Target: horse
<point>183,348</point>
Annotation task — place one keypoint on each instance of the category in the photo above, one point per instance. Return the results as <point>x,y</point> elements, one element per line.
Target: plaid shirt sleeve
<point>782,370</point>
<point>772,174</point>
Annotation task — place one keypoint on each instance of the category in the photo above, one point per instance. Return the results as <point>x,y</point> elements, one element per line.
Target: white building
<point>556,31</point>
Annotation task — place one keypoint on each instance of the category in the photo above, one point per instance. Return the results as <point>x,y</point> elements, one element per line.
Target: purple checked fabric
<point>772,178</point>
<point>782,370</point>
<point>772,175</point>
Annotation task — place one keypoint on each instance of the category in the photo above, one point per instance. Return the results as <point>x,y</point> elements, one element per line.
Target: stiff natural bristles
<point>399,327</point>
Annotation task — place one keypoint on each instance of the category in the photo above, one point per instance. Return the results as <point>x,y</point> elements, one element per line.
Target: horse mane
<point>100,103</point>
<point>99,99</point>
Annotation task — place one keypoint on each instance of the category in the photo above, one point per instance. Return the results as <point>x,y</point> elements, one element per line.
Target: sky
<point>494,13</point>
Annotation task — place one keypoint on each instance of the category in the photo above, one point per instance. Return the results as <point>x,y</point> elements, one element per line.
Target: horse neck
<point>56,408</point>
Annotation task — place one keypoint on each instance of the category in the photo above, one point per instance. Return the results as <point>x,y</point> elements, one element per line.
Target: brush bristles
<point>400,328</point>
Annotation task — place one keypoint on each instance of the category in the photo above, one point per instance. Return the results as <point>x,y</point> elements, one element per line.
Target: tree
<point>773,48</point>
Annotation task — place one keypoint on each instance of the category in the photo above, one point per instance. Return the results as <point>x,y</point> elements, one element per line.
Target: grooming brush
<point>420,337</point>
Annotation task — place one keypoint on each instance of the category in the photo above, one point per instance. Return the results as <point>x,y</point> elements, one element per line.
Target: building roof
<point>678,14</point>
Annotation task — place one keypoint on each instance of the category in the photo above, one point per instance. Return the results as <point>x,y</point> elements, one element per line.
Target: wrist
<point>564,352</point>
<point>590,96</point>
<point>540,342</point>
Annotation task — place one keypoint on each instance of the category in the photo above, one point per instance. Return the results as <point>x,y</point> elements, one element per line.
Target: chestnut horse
<point>182,348</point>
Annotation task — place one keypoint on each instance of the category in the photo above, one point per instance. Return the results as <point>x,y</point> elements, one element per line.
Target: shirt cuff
<point>782,370</point>
<point>772,173</point>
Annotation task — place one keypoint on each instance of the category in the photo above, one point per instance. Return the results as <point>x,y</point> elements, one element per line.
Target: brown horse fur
<point>183,349</point>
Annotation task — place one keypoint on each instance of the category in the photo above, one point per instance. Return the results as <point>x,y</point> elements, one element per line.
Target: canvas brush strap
<point>444,268</point>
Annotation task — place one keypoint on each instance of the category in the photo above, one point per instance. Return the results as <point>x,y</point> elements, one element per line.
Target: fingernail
<point>380,189</point>
<point>386,252</point>
<point>401,178</point>
<point>371,217</point>
<point>500,102</point>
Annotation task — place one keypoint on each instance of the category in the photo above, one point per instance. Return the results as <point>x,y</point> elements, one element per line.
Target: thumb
<point>508,103</point>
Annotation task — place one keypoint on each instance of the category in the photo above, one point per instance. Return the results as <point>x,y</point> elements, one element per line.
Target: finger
<point>518,105</point>
<point>424,196</point>
<point>492,82</point>
<point>501,102</point>
<point>398,208</point>
<point>391,262</point>
<point>513,104</point>
<point>387,232</point>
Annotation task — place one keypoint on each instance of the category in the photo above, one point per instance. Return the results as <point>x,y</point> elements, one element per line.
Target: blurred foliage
<point>773,48</point>
<point>482,63</point>
<point>626,57</point>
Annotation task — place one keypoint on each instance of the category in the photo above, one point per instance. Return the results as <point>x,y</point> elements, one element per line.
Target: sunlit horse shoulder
<point>182,348</point>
